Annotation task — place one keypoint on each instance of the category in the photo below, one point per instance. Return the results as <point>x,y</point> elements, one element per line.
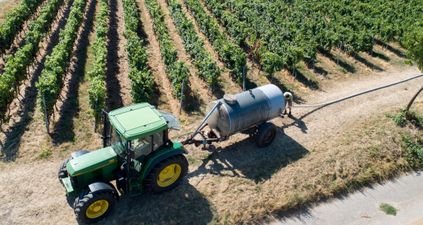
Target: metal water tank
<point>247,109</point>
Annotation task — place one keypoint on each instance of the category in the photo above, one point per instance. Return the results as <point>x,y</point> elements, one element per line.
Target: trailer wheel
<point>167,174</point>
<point>266,135</point>
<point>92,207</point>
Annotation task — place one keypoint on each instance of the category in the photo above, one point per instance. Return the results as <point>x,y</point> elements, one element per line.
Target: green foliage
<point>207,67</point>
<point>142,80</point>
<point>388,209</point>
<point>177,71</point>
<point>404,117</point>
<point>231,54</point>
<point>97,76</point>
<point>413,41</point>
<point>271,62</point>
<point>51,79</point>
<point>296,30</point>
<point>179,74</point>
<point>45,153</point>
<point>413,151</point>
<point>15,69</point>
<point>400,119</point>
<point>15,20</point>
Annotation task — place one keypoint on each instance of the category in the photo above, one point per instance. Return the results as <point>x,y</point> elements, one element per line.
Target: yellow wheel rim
<point>97,209</point>
<point>169,175</point>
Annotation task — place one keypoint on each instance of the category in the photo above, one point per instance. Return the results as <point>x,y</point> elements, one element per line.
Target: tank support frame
<point>205,140</point>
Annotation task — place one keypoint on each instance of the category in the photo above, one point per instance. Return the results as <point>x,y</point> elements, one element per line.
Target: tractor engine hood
<point>91,161</point>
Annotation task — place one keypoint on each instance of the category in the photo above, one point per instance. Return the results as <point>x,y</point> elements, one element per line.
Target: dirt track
<point>31,194</point>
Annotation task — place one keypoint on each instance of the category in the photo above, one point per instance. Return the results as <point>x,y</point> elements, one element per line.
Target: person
<point>288,103</point>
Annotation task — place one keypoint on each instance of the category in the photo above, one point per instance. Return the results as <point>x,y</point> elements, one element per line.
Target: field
<point>63,61</point>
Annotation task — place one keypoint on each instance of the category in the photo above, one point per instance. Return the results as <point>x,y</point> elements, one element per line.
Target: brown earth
<point>24,108</point>
<point>6,6</point>
<point>117,83</point>
<point>156,63</point>
<point>197,84</point>
<point>236,183</point>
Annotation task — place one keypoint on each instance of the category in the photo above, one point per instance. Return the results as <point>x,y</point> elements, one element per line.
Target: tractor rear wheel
<point>167,174</point>
<point>266,135</point>
<point>93,207</point>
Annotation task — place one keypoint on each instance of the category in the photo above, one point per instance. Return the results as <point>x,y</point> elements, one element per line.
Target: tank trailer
<point>139,156</point>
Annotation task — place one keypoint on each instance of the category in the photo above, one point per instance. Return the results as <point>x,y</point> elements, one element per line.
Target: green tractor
<point>137,155</point>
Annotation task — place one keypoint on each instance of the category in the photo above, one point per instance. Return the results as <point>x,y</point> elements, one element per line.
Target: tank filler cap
<point>229,98</point>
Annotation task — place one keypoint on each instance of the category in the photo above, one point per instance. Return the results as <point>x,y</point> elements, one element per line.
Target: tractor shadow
<point>245,159</point>
<point>182,205</point>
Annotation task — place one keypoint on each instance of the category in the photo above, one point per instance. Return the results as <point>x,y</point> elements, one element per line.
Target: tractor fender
<point>101,186</point>
<point>78,153</point>
<point>154,160</point>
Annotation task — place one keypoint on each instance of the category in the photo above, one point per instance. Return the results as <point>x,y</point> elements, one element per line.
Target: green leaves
<point>51,79</point>
<point>413,41</point>
<point>142,80</point>
<point>176,70</point>
<point>207,68</point>
<point>231,54</point>
<point>294,30</point>
<point>97,76</point>
<point>14,21</point>
<point>16,65</point>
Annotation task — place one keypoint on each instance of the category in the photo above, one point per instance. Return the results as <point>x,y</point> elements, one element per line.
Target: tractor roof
<point>138,120</point>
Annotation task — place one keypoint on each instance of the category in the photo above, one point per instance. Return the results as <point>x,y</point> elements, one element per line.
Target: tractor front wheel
<point>93,207</point>
<point>167,174</point>
<point>62,173</point>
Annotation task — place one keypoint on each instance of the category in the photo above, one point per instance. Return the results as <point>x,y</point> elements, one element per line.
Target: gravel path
<point>362,207</point>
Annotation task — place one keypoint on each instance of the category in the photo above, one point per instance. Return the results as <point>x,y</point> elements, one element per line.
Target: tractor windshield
<point>118,143</point>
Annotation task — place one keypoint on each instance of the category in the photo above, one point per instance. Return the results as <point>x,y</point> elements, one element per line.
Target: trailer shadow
<point>182,205</point>
<point>245,159</point>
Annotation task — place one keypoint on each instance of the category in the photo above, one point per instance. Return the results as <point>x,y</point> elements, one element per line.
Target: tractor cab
<point>138,130</point>
<point>137,154</point>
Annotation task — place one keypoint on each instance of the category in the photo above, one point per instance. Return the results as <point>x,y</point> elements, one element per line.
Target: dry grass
<point>6,6</point>
<point>244,185</point>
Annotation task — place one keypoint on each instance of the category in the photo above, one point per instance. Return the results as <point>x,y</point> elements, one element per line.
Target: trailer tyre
<point>92,207</point>
<point>167,174</point>
<point>266,134</point>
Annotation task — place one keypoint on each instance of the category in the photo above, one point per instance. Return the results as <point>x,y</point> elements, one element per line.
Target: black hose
<point>320,105</point>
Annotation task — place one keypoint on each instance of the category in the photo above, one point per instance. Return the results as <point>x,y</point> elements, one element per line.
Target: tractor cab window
<point>141,146</point>
<point>145,145</point>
